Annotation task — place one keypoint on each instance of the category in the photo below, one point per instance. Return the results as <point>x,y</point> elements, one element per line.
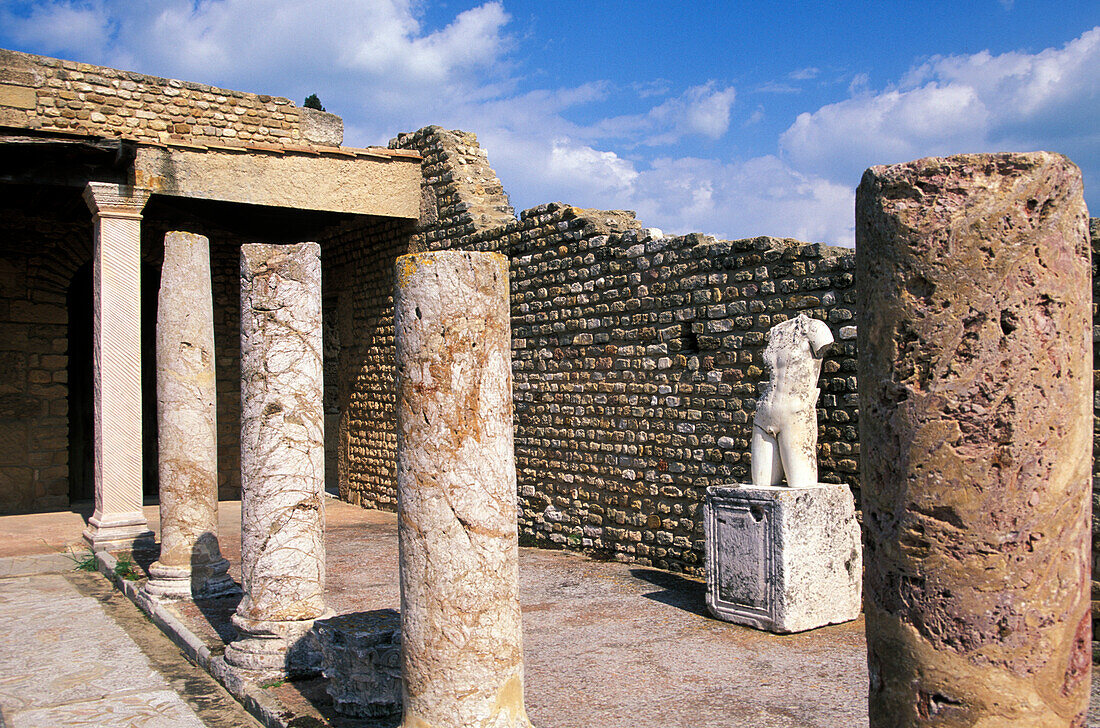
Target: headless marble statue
<point>784,433</point>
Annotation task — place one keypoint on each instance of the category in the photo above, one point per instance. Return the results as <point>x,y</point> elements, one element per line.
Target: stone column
<point>282,460</point>
<point>456,488</point>
<point>975,385</point>
<point>190,562</point>
<point>118,522</point>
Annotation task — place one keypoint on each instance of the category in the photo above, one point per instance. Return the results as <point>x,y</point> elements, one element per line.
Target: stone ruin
<point>636,361</point>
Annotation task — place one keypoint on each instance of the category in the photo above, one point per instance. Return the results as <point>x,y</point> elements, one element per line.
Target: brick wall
<point>37,92</point>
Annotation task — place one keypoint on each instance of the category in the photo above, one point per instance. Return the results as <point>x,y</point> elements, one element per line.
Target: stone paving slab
<point>66,661</point>
<point>147,709</point>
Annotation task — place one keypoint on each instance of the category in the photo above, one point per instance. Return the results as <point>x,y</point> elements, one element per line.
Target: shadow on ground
<point>676,591</point>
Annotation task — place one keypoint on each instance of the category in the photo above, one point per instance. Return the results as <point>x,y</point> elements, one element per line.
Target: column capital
<point>106,199</point>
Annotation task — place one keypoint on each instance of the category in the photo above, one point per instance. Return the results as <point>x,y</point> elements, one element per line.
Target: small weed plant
<point>82,560</point>
<point>126,568</point>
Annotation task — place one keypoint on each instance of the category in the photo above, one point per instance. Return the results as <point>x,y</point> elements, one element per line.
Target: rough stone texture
<point>70,664</point>
<point>190,561</point>
<point>1094,232</point>
<point>460,614</point>
<point>784,435</point>
<point>53,94</point>
<point>783,558</point>
<point>321,127</point>
<point>117,522</point>
<point>975,372</point>
<point>361,657</point>
<point>37,260</point>
<point>282,459</point>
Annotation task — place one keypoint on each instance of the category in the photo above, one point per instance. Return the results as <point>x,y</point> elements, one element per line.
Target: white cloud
<point>952,104</point>
<point>59,27</point>
<point>699,111</point>
<point>385,70</point>
<point>761,196</point>
<point>373,54</point>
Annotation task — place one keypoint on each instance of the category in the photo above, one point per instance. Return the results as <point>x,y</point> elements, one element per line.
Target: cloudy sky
<point>729,118</point>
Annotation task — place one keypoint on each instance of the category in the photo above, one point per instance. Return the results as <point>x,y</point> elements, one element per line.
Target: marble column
<point>282,460</point>
<point>190,562</point>
<point>117,522</point>
<point>975,389</point>
<point>456,481</point>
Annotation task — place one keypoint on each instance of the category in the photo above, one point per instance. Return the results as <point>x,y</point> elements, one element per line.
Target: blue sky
<point>733,119</point>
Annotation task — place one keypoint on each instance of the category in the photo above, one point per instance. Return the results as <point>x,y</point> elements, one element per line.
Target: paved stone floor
<point>75,652</point>
<point>607,645</point>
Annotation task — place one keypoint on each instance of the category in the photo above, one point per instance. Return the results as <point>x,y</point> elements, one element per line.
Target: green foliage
<point>273,683</point>
<point>125,568</point>
<point>312,102</point>
<point>82,560</point>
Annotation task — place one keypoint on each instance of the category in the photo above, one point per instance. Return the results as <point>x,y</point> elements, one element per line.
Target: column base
<point>783,559</point>
<point>288,648</point>
<point>181,582</point>
<point>119,532</point>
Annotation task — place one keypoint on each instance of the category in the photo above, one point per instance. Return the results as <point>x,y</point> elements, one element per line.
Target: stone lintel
<point>384,186</point>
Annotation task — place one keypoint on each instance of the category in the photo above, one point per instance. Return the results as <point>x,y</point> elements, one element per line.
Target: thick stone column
<point>190,560</point>
<point>282,459</point>
<point>456,484</point>
<point>117,522</point>
<point>975,384</point>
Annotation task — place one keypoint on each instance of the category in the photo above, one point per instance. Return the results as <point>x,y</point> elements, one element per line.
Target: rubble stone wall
<point>35,271</point>
<point>38,92</point>
<point>637,360</point>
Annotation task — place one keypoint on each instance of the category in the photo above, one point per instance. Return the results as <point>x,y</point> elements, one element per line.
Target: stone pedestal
<point>456,489</point>
<point>118,522</point>
<point>190,562</point>
<point>282,460</point>
<point>975,395</point>
<point>361,657</point>
<point>783,559</point>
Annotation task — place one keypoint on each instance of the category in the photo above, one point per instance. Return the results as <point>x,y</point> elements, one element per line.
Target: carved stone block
<point>361,657</point>
<point>783,559</point>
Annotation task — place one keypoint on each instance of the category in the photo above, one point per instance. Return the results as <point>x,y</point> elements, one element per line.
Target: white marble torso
<point>785,425</point>
<point>793,363</point>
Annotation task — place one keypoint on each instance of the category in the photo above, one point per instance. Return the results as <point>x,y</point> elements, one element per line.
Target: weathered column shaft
<point>975,384</point>
<point>282,458</point>
<point>118,521</point>
<point>460,616</point>
<point>190,559</point>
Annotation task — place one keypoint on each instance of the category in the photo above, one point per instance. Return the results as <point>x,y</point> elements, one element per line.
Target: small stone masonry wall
<point>636,357</point>
<point>358,266</point>
<point>34,425</point>
<point>37,92</point>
